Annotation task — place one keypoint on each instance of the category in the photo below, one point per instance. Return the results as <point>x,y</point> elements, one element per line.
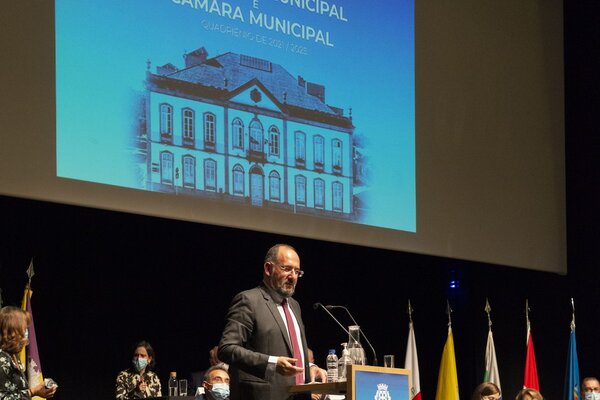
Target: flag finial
<point>573,319</point>
<point>449,312</point>
<point>488,309</point>
<point>409,310</point>
<point>30,273</point>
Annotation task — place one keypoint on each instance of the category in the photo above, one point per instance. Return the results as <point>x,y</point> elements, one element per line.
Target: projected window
<point>210,175</point>
<point>274,186</point>
<point>238,180</point>
<point>300,148</point>
<point>256,186</point>
<point>166,167</point>
<point>319,193</point>
<point>273,141</point>
<point>300,190</point>
<point>237,133</point>
<point>256,137</point>
<point>337,155</point>
<point>338,196</point>
<point>189,171</point>
<point>319,149</point>
<point>188,127</point>
<point>166,123</point>
<point>209,131</point>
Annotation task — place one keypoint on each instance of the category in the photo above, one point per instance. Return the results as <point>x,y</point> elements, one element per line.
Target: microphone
<point>329,307</point>
<point>317,305</point>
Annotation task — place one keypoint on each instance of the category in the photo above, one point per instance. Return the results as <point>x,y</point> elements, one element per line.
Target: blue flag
<point>572,376</point>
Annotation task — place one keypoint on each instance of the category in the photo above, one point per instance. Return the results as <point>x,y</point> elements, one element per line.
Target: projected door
<point>256,187</point>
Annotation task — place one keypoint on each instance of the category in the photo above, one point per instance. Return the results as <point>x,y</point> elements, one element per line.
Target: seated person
<point>215,384</point>
<point>486,391</point>
<point>198,377</point>
<point>529,394</point>
<point>138,381</point>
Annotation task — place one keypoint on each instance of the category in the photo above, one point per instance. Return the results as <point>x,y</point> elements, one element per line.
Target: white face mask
<point>592,396</point>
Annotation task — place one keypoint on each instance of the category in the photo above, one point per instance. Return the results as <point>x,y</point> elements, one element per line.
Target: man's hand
<point>287,366</point>
<point>317,373</point>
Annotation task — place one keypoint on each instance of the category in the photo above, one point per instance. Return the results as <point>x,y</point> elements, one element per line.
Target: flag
<point>491,364</point>
<point>411,362</point>
<point>447,387</point>
<point>32,361</point>
<point>531,375</point>
<point>572,375</point>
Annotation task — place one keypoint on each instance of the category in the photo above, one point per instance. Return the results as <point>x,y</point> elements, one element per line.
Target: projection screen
<point>430,128</point>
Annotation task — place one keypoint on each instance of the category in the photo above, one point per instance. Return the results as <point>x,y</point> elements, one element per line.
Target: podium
<point>364,383</point>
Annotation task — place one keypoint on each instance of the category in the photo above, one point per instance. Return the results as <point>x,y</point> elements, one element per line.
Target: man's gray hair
<point>273,252</point>
<point>213,368</point>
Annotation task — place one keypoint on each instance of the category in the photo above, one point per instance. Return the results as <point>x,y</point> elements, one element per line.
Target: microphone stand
<point>363,332</point>
<point>317,305</point>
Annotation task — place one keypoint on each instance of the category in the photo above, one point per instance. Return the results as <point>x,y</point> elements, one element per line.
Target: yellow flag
<point>447,387</point>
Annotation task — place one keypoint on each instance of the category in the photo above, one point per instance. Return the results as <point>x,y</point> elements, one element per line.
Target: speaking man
<point>264,341</point>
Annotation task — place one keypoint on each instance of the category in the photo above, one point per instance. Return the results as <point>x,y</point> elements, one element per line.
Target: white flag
<point>411,362</point>
<point>491,365</point>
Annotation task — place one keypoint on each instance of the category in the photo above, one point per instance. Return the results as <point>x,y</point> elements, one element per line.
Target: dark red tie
<point>293,339</point>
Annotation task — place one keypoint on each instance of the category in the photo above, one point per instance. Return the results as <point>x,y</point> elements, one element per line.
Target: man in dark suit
<point>215,384</point>
<point>264,341</point>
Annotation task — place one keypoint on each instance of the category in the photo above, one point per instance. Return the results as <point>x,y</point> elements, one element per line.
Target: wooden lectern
<point>365,383</point>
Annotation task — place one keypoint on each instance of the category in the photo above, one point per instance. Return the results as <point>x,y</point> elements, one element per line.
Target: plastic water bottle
<point>332,366</point>
<point>173,384</point>
<point>343,363</point>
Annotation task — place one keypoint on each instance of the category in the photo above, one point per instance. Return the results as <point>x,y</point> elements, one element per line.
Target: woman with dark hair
<point>138,381</point>
<point>13,338</point>
<point>486,391</point>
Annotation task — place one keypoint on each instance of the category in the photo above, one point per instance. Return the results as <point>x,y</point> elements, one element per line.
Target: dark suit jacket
<point>254,330</point>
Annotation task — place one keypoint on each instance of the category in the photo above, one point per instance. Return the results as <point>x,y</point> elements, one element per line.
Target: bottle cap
<point>173,374</point>
<point>331,351</point>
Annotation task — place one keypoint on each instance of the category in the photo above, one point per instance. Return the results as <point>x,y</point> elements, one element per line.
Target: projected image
<point>295,106</point>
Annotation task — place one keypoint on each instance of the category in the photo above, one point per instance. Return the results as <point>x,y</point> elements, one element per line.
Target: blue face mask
<point>220,391</point>
<point>139,363</point>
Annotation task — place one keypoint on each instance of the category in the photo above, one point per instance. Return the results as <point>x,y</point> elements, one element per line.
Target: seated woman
<point>138,381</point>
<point>13,337</point>
<point>529,394</point>
<point>486,391</point>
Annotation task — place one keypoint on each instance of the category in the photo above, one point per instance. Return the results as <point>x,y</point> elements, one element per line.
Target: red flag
<point>531,375</point>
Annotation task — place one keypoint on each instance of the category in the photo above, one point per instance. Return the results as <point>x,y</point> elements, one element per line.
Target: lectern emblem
<point>382,392</point>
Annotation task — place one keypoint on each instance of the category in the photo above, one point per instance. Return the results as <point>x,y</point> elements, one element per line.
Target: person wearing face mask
<point>264,340</point>
<point>215,384</point>
<point>139,381</point>
<point>13,337</point>
<point>590,388</point>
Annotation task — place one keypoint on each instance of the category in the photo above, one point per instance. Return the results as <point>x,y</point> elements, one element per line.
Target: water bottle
<point>332,366</point>
<point>343,363</point>
<point>173,384</point>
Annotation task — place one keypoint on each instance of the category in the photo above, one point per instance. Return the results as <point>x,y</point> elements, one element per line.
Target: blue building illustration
<point>242,129</point>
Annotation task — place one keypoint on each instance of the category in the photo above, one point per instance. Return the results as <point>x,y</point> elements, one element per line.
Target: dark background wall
<point>105,280</point>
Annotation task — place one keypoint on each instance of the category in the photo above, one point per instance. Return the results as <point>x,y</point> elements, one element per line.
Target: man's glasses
<point>288,269</point>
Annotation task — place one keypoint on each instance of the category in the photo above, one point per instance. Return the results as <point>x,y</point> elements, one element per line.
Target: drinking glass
<point>183,387</point>
<point>388,361</point>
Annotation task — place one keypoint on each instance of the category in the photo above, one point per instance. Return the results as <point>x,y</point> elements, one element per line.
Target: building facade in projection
<point>241,129</point>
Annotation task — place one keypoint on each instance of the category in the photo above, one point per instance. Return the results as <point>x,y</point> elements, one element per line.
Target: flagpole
<point>573,319</point>
<point>527,309</point>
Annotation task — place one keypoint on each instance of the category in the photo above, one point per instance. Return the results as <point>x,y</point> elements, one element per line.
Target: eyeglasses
<point>288,269</point>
